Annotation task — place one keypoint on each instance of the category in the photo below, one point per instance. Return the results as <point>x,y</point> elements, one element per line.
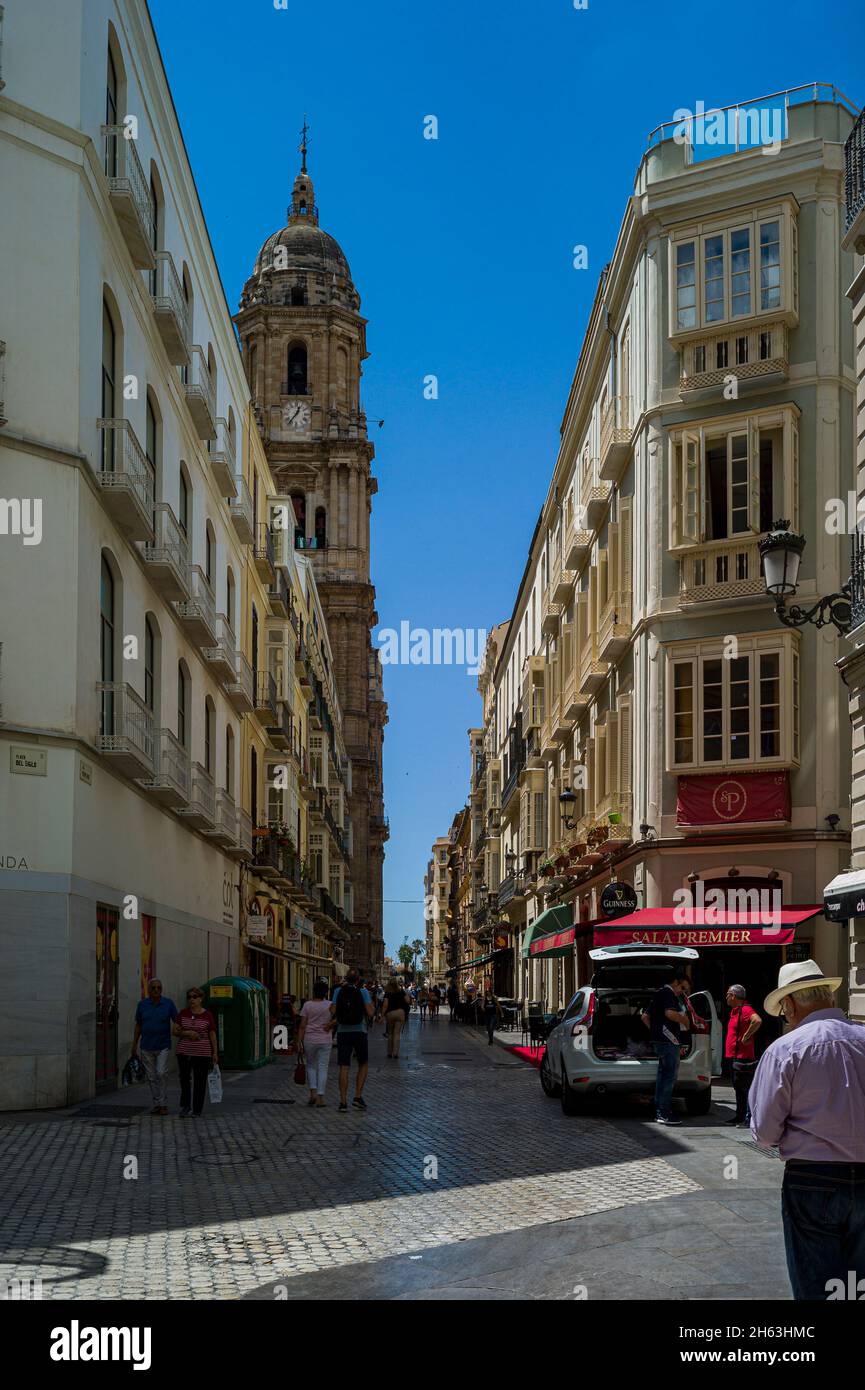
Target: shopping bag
<point>214,1085</point>
<point>300,1072</point>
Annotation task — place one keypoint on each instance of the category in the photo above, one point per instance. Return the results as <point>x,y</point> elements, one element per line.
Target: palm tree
<point>418,948</point>
<point>405,956</point>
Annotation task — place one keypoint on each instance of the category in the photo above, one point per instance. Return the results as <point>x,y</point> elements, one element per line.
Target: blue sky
<point>461,250</point>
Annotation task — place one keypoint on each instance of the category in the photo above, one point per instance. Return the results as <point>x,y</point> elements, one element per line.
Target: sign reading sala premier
<point>696,936</point>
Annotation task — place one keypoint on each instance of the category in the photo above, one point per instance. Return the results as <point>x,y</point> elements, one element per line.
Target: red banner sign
<point>726,800</point>
<point>550,943</point>
<point>696,936</point>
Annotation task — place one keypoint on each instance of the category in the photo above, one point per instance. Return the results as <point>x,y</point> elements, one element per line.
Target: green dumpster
<point>241,1009</point>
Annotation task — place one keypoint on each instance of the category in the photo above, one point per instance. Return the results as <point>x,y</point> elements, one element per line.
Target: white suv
<point>602,1045</point>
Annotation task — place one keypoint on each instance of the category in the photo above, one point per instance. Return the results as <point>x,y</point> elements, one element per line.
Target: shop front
<point>744,948</point>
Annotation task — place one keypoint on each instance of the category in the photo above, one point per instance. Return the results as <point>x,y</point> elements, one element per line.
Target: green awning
<point>553,920</point>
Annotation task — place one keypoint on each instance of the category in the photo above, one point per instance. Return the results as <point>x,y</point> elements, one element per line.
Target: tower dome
<point>300,248</point>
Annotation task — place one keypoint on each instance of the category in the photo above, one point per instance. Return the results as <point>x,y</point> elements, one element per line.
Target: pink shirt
<point>317,1015</point>
<point>808,1092</point>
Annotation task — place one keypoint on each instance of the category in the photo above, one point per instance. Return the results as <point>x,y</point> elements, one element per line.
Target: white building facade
<point>123,390</point>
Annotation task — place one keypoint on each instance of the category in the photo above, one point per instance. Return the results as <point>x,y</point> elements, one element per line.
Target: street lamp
<point>510,862</point>
<point>567,806</point>
<point>781,553</point>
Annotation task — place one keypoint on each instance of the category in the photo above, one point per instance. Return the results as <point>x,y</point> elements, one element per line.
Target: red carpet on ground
<point>529,1054</point>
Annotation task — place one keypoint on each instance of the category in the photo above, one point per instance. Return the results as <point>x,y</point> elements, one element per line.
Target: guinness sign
<point>618,900</point>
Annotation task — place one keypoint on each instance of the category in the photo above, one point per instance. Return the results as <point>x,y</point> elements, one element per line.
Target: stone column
<point>333,538</point>
<point>352,506</point>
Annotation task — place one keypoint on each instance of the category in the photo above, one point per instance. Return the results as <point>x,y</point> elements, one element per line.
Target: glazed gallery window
<point>723,273</point>
<point>732,477</point>
<point>734,711</point>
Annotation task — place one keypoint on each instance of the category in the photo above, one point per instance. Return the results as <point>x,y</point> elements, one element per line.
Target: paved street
<point>267,1199</point>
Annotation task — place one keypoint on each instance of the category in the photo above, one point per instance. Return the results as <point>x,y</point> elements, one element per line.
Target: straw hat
<point>800,974</point>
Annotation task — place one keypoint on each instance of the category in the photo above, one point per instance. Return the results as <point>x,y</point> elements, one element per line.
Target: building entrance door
<point>107,927</point>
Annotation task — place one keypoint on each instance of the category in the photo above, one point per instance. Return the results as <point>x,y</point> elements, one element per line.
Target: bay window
<point>732,476</point>
<point>736,709</point>
<point>725,269</point>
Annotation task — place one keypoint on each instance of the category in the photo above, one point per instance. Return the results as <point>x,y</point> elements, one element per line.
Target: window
<point>229,759</point>
<point>253,785</point>
<point>209,548</point>
<point>229,598</point>
<point>183,504</point>
<point>734,712</point>
<point>111,94</point>
<point>149,664</point>
<point>720,274</point>
<point>320,529</point>
<point>732,477</point>
<point>296,371</point>
<point>182,695</point>
<point>106,645</point>
<point>109,364</point>
<point>208,736</point>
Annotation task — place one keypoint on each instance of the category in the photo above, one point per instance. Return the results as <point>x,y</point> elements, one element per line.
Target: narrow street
<point>461,1181</point>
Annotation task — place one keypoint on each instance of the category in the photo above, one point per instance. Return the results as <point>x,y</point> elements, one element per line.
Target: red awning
<point>552,941</point>
<point>704,926</point>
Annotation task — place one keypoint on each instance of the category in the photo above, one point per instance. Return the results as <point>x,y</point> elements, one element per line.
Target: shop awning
<point>554,943</point>
<point>269,950</point>
<point>554,919</point>
<point>705,926</point>
<point>844,897</point>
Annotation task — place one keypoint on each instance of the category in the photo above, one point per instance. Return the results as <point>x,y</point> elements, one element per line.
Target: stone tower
<point>304,341</point>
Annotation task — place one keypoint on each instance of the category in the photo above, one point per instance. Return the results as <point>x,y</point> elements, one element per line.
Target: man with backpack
<point>352,1007</point>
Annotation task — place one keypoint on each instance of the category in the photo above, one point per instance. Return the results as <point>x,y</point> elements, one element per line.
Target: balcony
<point>757,356</point>
<point>303,669</point>
<point>242,849</point>
<point>129,194</point>
<point>125,729</point>
<point>550,614</point>
<point>240,688</point>
<point>854,186</point>
<point>592,671</point>
<point>200,810</point>
<point>241,512</point>
<point>615,439</point>
<point>573,701</point>
<point>578,541</point>
<point>170,782</point>
<point>722,570</point>
<point>562,585</point>
<point>200,394</point>
<point>226,828</point>
<point>595,494</point>
<point>223,656</point>
<point>280,731</point>
<point>166,557</point>
<point>278,596</point>
<point>266,856</point>
<point>614,626</point>
<point>126,479</point>
<point>615,809</point>
<point>198,612</point>
<point>263,552</point>
<point>265,699</point>
<point>171,310</point>
<point>221,452</point>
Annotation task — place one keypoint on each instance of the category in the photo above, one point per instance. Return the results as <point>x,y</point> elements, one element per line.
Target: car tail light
<point>703,1078</point>
<point>584,1024</point>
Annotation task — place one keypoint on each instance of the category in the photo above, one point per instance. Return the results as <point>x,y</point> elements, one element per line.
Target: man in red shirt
<point>741,1029</point>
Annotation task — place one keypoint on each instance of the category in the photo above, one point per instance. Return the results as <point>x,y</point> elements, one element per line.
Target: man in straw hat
<point>808,1098</point>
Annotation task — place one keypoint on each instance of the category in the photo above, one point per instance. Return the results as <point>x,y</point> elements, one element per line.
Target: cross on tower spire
<point>303,143</point>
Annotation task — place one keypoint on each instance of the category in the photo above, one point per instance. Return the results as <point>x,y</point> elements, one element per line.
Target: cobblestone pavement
<point>461,1180</point>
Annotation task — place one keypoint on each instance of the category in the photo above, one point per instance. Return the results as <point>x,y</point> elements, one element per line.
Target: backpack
<point>350,1006</point>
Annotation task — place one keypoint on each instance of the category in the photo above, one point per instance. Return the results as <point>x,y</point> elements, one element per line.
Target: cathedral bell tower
<point>304,342</point>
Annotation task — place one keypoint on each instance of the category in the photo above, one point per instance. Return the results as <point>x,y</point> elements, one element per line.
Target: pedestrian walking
<point>351,1008</point>
<point>197,1051</point>
<point>395,1014</point>
<point>668,1021</point>
<point>434,1001</point>
<point>152,1041</point>
<point>807,1100</point>
<point>491,1013</point>
<point>423,1002</point>
<point>453,998</point>
<point>379,1000</point>
<point>742,1027</point>
<point>314,1041</point>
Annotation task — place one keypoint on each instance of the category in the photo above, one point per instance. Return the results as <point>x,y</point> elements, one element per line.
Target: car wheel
<point>571,1102</point>
<point>698,1102</point>
<point>550,1086</point>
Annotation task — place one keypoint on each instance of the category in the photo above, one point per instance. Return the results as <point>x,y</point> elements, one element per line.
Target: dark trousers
<point>194,1070</point>
<point>743,1075</point>
<point>490,1018</point>
<point>668,1055</point>
<point>823,1210</point>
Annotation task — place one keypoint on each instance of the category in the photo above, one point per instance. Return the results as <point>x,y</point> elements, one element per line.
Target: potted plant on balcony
<point>546,868</point>
<point>260,832</point>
